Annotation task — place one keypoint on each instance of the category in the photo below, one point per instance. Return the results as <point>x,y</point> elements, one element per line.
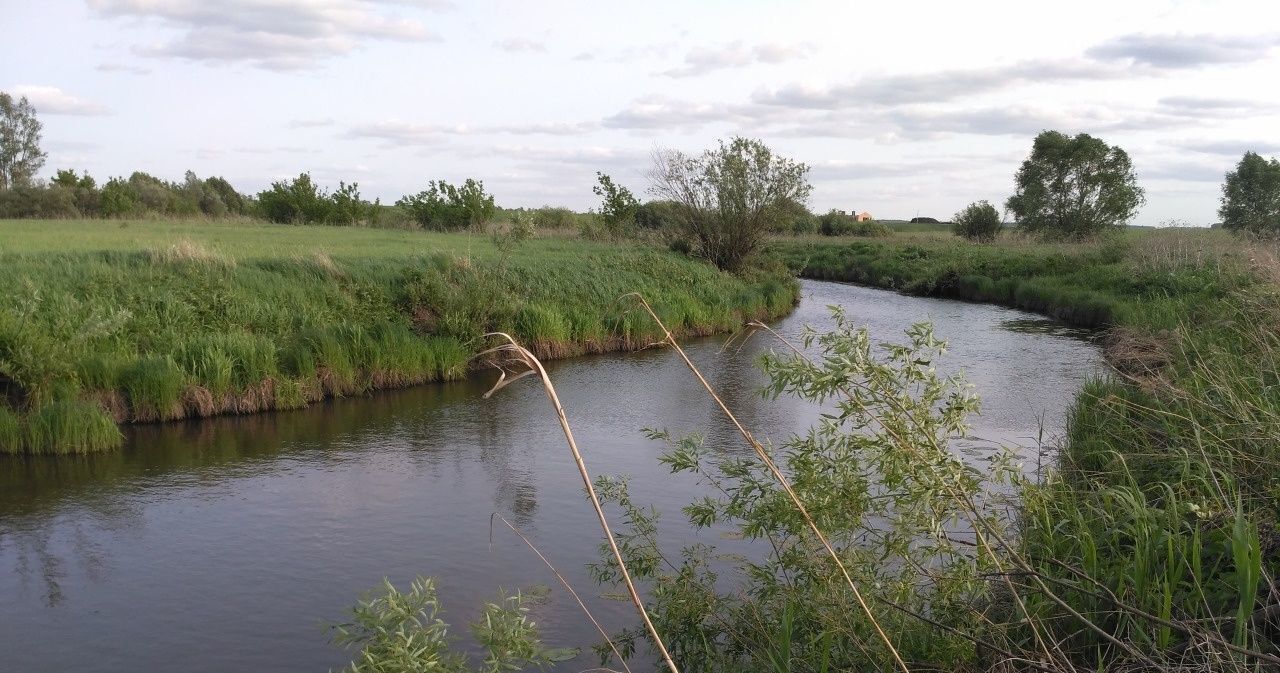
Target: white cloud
<point>703,60</point>
<point>516,45</point>
<point>265,33</point>
<point>54,101</point>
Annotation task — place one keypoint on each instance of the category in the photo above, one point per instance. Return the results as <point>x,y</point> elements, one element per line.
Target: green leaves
<point>1075,187</point>
<point>401,632</point>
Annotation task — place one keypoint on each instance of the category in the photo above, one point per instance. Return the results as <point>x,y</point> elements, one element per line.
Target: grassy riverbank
<point>1158,528</point>
<point>111,322</point>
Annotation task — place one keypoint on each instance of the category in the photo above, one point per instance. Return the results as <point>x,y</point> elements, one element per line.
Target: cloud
<point>1180,51</point>
<point>309,123</point>
<point>400,133</point>
<point>123,67</point>
<point>516,45</point>
<point>662,112</point>
<point>264,33</point>
<point>54,101</point>
<point>702,60</point>
<point>935,87</point>
<point>1215,108</point>
<point>1233,148</point>
<point>1184,171</point>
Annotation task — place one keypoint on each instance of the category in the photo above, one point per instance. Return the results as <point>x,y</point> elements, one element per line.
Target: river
<point>228,544</point>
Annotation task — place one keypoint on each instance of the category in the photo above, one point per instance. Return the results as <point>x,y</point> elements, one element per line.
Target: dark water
<point>228,544</point>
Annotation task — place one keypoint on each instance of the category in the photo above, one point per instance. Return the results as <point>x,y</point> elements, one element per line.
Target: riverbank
<point>1158,528</point>
<point>142,321</point>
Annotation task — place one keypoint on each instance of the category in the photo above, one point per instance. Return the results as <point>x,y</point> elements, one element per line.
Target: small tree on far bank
<point>979,221</point>
<point>1075,187</point>
<point>618,206</point>
<point>730,197</point>
<point>20,154</point>
<point>1251,197</point>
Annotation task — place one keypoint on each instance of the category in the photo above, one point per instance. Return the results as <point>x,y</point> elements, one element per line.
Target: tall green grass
<point>153,321</point>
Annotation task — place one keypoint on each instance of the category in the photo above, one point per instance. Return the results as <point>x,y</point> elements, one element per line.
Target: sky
<point>901,109</point>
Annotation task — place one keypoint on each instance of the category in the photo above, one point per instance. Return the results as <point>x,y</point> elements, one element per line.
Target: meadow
<point>109,322</point>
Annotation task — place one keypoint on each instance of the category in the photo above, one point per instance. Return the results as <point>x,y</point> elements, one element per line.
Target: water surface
<point>227,544</point>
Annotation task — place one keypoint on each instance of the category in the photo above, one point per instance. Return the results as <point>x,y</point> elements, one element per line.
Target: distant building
<point>864,216</point>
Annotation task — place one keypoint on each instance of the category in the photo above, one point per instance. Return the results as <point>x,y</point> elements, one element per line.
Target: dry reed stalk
<point>521,355</point>
<point>782,480</point>
<point>604,634</point>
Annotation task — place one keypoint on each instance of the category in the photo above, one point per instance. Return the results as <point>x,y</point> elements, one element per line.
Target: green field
<point>1159,522</point>
<point>108,322</point>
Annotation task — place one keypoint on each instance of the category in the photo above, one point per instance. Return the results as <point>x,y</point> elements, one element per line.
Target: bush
<point>839,223</point>
<point>547,217</point>
<point>657,215</point>
<point>979,221</point>
<point>444,207</point>
<point>730,196</point>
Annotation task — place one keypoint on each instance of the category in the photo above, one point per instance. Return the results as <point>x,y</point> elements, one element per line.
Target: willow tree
<point>728,198</point>
<point>1075,187</point>
<point>20,154</point>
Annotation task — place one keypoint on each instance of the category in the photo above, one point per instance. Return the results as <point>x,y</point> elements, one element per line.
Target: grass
<point>146,321</point>
<point>1159,526</point>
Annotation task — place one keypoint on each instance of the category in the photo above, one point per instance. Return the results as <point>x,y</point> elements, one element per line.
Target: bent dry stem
<point>519,355</point>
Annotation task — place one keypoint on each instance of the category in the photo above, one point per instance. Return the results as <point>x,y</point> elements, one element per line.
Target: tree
<point>443,206</point>
<point>979,221</point>
<point>729,197</point>
<point>1075,187</point>
<point>20,155</point>
<point>1251,196</point>
<point>296,202</point>
<point>619,206</point>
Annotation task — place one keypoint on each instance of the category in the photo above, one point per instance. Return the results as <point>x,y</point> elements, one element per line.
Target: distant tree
<point>348,208</point>
<point>82,188</point>
<point>297,202</point>
<point>444,207</point>
<point>979,221</point>
<point>1075,187</point>
<point>234,202</point>
<point>118,199</point>
<point>924,220</point>
<point>730,196</point>
<point>1251,196</point>
<point>20,154</point>
<point>618,205</point>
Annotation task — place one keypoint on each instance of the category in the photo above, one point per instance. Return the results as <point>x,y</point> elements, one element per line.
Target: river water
<point>229,544</point>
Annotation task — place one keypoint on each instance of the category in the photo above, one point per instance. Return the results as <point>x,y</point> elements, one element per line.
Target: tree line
<point>719,204</point>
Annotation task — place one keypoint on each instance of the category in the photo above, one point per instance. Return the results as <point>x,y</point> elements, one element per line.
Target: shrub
<point>730,196</point>
<point>299,201</point>
<point>618,205</point>
<point>547,217</point>
<point>979,221</point>
<point>658,215</point>
<point>839,223</point>
<point>445,207</point>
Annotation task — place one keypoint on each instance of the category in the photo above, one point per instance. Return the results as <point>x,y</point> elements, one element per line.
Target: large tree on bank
<point>728,198</point>
<point>1075,187</point>
<point>1251,196</point>
<point>20,155</point>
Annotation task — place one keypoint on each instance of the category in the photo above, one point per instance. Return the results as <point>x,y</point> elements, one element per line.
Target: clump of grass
<point>70,426</point>
<point>10,430</point>
<point>154,387</point>
<point>188,252</point>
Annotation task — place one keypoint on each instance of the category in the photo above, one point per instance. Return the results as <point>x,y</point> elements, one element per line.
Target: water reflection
<point>221,544</point>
